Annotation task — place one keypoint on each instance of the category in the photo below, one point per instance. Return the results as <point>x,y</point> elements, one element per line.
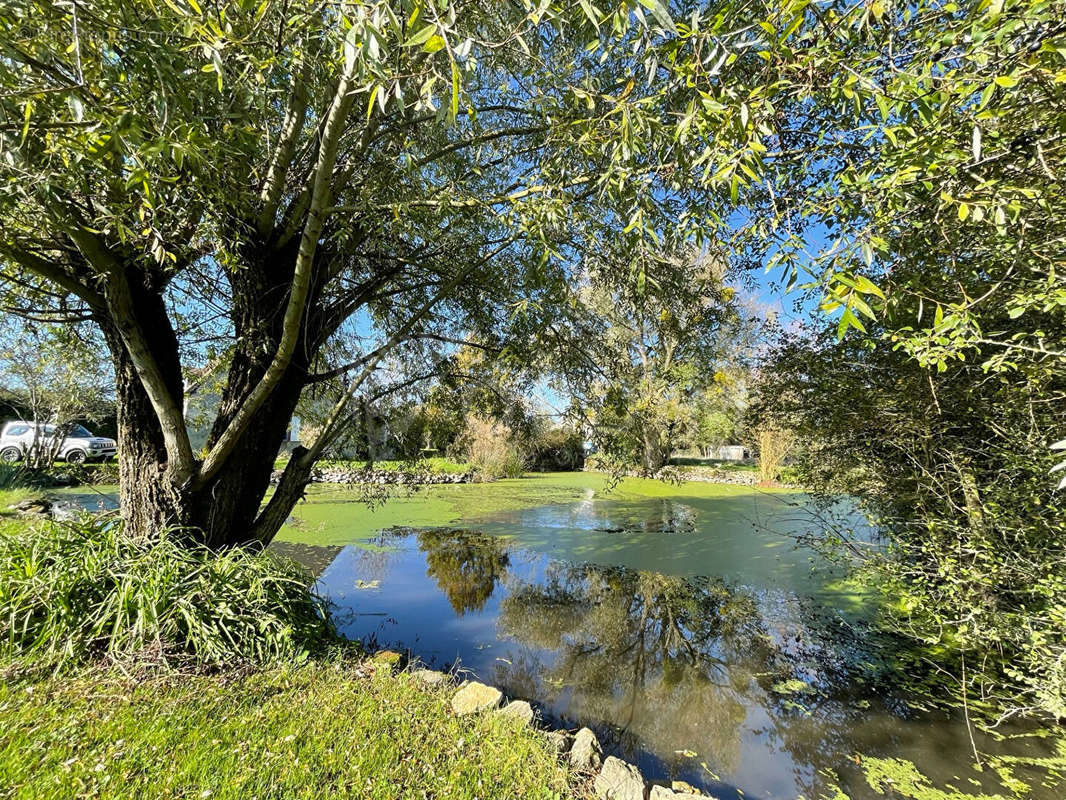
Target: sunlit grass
<point>322,730</point>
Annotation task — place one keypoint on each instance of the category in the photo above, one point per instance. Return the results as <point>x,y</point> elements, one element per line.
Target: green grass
<point>10,497</point>
<point>436,465</point>
<point>266,704</point>
<point>322,730</point>
<point>77,591</point>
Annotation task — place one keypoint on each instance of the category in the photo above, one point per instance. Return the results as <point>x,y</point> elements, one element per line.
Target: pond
<point>682,623</point>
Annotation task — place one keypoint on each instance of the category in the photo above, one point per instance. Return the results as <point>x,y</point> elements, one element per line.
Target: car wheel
<point>76,457</point>
<point>10,455</point>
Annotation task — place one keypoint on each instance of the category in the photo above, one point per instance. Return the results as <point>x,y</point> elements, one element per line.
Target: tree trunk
<point>148,500</point>
<point>653,455</point>
<point>226,510</point>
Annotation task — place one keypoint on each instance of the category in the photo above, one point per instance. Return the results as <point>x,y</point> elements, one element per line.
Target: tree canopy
<point>263,178</point>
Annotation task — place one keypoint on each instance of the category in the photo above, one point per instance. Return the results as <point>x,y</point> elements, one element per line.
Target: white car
<point>79,445</point>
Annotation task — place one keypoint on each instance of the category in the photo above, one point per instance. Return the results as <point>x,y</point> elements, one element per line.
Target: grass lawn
<point>333,728</point>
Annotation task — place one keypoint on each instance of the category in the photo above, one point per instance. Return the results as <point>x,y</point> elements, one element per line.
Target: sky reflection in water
<point>698,644</point>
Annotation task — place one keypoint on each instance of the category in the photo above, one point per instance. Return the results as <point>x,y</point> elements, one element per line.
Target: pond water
<point>682,623</point>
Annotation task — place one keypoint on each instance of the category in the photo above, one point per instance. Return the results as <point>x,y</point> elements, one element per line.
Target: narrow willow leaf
<point>423,36</point>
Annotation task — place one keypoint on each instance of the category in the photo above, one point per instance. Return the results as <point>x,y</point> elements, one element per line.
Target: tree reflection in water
<point>661,659</point>
<point>466,565</point>
<point>766,686</point>
<point>653,654</point>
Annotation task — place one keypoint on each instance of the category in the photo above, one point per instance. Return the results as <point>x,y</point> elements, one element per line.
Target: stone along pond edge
<point>610,778</point>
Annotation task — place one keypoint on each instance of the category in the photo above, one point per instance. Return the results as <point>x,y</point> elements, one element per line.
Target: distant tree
<point>650,346</point>
<point>53,376</point>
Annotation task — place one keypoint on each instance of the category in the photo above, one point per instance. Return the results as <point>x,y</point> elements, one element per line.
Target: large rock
<point>32,507</point>
<point>586,755</point>
<point>684,788</point>
<point>662,793</point>
<point>519,710</point>
<point>429,677</point>
<point>475,697</point>
<point>619,780</point>
<point>389,659</point>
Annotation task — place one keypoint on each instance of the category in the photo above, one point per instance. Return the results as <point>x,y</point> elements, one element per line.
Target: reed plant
<point>76,591</point>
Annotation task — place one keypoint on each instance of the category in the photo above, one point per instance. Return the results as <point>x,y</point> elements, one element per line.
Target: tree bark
<point>224,510</point>
<point>148,500</point>
<point>653,456</point>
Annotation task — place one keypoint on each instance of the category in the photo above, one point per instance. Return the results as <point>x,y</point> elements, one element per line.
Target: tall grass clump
<point>17,476</point>
<point>76,591</point>
<point>774,446</point>
<point>491,448</point>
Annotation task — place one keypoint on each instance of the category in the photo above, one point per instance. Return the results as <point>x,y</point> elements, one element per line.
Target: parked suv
<point>79,446</point>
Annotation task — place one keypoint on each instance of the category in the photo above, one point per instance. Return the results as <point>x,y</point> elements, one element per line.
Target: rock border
<point>382,477</point>
<point>610,778</point>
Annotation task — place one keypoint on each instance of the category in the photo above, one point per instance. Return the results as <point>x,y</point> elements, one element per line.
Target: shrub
<point>774,446</point>
<point>490,447</point>
<point>81,590</point>
<point>557,448</point>
<point>16,476</point>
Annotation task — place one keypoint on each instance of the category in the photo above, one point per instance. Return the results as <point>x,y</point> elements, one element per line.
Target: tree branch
<point>332,427</point>
<point>274,184</point>
<point>56,274</point>
<point>120,304</point>
<point>301,282</point>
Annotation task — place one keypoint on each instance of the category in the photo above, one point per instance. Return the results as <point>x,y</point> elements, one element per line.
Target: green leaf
<point>423,35</point>
<point>661,13</point>
<point>867,286</point>
<point>454,110</point>
<point>433,44</point>
<point>851,320</point>
<point>882,105</point>
<point>370,102</point>
<point>590,12</point>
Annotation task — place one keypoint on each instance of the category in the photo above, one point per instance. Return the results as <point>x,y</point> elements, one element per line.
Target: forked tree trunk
<point>227,509</point>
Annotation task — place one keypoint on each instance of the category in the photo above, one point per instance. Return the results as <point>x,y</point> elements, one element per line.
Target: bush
<point>490,448</point>
<point>70,592</point>
<point>774,445</point>
<point>557,448</point>
<point>20,476</point>
<point>16,476</point>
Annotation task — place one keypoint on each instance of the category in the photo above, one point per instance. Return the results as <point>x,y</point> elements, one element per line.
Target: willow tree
<point>940,180</point>
<point>254,182</point>
<point>654,342</point>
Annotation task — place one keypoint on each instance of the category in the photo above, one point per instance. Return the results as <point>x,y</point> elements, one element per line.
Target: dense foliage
<point>941,211</point>
<point>654,348</point>
<point>952,465</point>
<point>76,591</point>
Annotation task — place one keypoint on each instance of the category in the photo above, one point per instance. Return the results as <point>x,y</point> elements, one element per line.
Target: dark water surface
<point>682,623</point>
